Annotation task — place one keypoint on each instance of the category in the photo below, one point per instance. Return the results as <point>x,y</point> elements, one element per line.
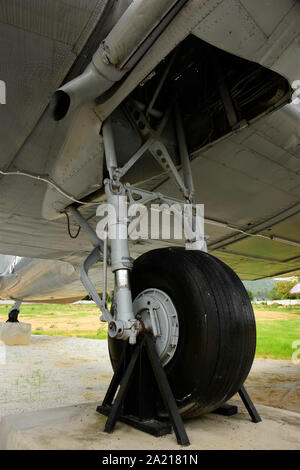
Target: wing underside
<point>249,180</point>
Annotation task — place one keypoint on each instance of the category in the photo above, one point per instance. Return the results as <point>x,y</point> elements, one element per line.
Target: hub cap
<point>158,314</point>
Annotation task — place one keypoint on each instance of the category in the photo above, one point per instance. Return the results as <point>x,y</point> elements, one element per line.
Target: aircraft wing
<point>246,167</point>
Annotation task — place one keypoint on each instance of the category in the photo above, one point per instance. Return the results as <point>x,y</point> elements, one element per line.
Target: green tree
<point>251,296</point>
<point>281,290</point>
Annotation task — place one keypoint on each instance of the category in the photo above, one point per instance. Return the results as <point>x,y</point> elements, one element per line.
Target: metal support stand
<point>230,410</point>
<point>142,382</point>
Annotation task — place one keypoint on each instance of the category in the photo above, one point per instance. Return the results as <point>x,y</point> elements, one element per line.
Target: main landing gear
<point>181,330</point>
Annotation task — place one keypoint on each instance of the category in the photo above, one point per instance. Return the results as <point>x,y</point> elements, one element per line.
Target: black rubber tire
<point>13,316</point>
<point>217,334</point>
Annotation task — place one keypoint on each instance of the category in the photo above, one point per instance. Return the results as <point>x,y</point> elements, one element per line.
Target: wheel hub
<point>158,314</point>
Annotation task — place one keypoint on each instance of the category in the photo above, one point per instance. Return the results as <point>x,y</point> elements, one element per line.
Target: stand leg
<point>249,405</point>
<point>115,382</point>
<point>167,394</point>
<point>125,382</point>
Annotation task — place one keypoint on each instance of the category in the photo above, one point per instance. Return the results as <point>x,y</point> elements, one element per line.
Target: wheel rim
<point>158,314</point>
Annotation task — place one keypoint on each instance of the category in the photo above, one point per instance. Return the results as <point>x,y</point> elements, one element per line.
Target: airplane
<point>175,102</point>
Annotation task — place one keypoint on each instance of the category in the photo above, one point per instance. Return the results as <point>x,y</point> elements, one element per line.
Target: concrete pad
<point>80,427</point>
<point>15,334</point>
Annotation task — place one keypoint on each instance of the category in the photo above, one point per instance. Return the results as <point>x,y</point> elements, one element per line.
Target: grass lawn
<point>81,321</point>
<point>294,309</point>
<point>275,338</point>
<point>277,327</point>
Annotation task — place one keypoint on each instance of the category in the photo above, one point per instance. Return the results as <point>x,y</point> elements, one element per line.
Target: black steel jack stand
<point>141,378</point>
<point>230,410</point>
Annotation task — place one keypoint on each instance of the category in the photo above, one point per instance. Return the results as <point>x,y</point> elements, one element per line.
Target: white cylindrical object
<point>15,334</point>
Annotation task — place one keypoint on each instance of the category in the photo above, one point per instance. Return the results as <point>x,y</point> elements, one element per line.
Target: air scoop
<point>127,42</point>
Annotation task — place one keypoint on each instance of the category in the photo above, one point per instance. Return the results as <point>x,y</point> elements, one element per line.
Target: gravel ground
<point>56,373</point>
<point>53,371</point>
<point>275,383</point>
